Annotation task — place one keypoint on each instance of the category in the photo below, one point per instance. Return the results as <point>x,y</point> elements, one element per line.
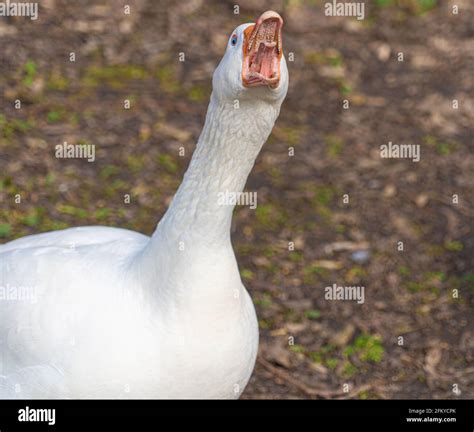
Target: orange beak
<point>262,51</point>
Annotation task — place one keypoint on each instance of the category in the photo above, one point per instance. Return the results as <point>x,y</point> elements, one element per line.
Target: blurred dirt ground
<point>310,347</point>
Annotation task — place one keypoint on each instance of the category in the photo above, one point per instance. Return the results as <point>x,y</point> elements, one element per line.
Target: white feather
<point>96,312</point>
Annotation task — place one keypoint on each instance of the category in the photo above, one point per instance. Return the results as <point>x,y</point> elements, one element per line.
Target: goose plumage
<point>98,312</point>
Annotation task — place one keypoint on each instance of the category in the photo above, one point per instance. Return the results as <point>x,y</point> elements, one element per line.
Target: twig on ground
<point>312,392</point>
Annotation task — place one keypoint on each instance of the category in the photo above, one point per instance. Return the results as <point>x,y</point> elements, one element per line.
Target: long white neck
<point>225,154</point>
<point>194,234</point>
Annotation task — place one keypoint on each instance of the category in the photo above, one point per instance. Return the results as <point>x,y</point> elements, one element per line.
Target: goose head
<point>253,66</point>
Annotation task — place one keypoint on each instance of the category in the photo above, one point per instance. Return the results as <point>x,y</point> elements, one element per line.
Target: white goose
<point>97,312</point>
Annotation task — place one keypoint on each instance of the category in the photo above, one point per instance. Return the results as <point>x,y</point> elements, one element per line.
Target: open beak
<point>263,49</point>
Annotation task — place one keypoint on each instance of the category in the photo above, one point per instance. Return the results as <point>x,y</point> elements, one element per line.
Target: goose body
<point>97,312</point>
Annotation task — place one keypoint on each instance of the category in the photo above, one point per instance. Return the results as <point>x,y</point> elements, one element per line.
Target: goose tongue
<point>262,51</point>
<point>263,59</point>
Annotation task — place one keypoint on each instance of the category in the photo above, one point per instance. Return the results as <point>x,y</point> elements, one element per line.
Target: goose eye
<point>233,40</point>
